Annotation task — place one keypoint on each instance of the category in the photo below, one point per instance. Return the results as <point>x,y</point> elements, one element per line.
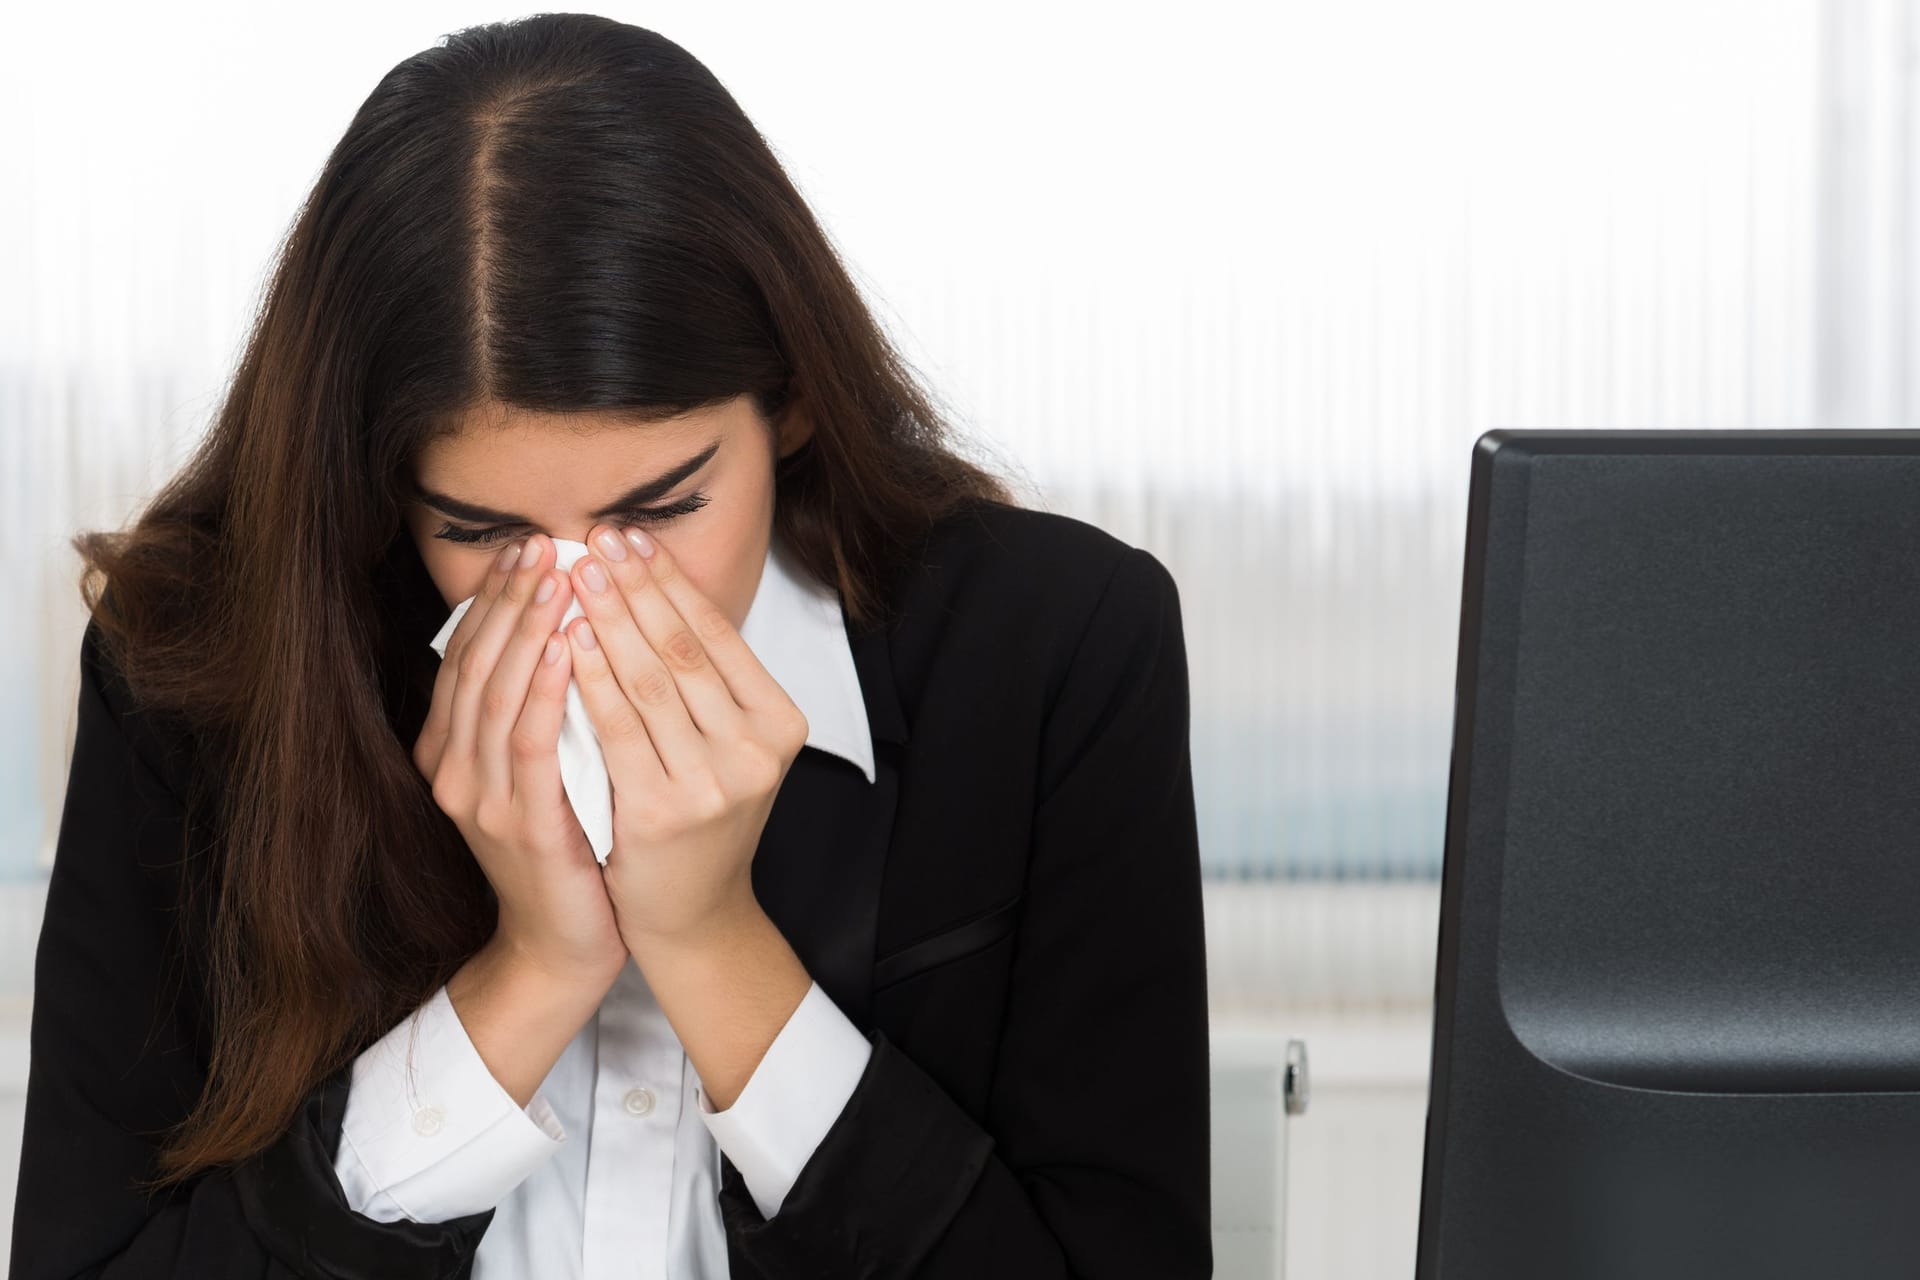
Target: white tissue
<point>583,770</point>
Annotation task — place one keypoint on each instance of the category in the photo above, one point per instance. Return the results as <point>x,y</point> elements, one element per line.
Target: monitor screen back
<point>1677,1022</point>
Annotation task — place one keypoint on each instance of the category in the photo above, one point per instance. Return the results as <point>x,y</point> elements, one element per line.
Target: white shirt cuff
<point>440,1141</point>
<point>793,1097</point>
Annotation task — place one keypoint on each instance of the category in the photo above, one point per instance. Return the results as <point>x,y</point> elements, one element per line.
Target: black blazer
<point>1011,914</point>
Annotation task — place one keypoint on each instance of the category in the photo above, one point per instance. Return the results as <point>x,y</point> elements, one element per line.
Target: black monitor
<point>1677,1003</point>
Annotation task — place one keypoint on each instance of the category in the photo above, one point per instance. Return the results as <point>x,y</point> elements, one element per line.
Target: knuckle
<point>492,818</point>
<point>792,729</point>
<point>625,730</point>
<point>710,622</point>
<point>447,792</point>
<point>761,768</point>
<point>654,686</point>
<point>525,745</point>
<point>493,701</point>
<point>643,820</point>
<point>705,798</point>
<point>782,730</point>
<point>468,664</point>
<point>684,649</point>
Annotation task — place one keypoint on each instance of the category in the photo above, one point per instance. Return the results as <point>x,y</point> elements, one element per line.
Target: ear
<point>793,426</point>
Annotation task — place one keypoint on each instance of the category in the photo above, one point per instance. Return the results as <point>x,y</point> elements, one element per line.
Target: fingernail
<point>544,592</point>
<point>641,542</point>
<point>584,634</point>
<point>509,556</point>
<point>609,543</point>
<point>595,579</point>
<point>551,654</point>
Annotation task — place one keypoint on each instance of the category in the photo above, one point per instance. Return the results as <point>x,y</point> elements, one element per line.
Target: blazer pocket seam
<point>953,943</point>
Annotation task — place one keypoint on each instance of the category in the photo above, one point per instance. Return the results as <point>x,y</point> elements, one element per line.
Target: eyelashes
<point>637,515</point>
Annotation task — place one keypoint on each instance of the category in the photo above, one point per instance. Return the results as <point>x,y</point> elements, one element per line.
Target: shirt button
<point>640,1101</point>
<point>426,1121</point>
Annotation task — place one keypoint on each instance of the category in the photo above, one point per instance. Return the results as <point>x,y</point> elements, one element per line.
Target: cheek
<point>457,572</point>
<point>725,575</point>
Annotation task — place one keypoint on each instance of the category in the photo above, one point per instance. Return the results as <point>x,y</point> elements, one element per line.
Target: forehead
<point>523,459</point>
<point>498,442</point>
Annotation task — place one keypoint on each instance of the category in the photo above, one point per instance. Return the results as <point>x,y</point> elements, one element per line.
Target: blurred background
<point>1239,283</point>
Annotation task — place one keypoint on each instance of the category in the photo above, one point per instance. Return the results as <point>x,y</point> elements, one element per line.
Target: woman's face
<point>511,473</point>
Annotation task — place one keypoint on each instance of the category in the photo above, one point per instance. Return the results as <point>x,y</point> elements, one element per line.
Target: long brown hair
<point>560,213</point>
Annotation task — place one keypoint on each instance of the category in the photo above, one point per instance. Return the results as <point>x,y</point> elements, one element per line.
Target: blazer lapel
<point>818,866</point>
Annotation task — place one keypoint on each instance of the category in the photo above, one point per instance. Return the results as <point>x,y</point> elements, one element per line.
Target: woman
<point>332,981</point>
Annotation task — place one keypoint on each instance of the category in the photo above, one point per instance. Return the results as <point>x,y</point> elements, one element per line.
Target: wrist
<point>508,960</point>
<point>738,916</point>
<point>518,1015</point>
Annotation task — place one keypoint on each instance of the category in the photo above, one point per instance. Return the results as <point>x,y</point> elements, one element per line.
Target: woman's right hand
<point>490,749</point>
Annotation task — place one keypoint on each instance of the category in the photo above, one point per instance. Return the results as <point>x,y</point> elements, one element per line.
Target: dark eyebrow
<point>641,494</point>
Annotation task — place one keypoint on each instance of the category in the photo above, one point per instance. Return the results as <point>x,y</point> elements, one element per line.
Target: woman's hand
<point>490,747</point>
<point>696,734</point>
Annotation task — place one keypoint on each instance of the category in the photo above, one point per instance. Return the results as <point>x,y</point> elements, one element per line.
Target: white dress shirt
<point>613,1168</point>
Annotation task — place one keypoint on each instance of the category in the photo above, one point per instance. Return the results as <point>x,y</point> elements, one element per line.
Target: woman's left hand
<point>696,734</point>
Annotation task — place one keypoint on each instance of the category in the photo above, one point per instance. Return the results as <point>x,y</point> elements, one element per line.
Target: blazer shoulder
<point>159,740</point>
<point>984,523</point>
<point>1057,567</point>
<point>1078,632</point>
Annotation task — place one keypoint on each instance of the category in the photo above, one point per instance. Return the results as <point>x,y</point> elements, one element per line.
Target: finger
<point>535,741</point>
<point>623,734</point>
<point>646,678</point>
<point>506,693</point>
<point>433,733</point>
<point>477,658</point>
<point>671,635</point>
<point>748,682</point>
<point>497,573</point>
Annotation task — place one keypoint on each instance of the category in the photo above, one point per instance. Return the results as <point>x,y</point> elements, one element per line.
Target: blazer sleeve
<point>114,1061</point>
<point>1094,1159</point>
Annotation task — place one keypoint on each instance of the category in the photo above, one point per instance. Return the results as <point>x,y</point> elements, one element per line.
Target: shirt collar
<point>796,627</point>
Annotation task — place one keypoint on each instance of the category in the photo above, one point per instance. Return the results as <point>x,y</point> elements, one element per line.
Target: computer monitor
<point>1677,1001</point>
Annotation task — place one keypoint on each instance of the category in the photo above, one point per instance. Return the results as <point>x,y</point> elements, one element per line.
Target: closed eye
<point>638,515</point>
